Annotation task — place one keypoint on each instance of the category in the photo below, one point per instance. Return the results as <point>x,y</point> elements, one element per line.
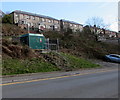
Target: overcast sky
<point>73,11</point>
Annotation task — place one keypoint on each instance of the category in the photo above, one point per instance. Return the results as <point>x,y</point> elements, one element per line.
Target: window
<point>70,24</point>
<point>29,24</point>
<point>37,18</point>
<point>33,18</point>
<point>115,56</point>
<point>28,17</point>
<point>24,16</point>
<point>75,25</point>
<point>22,22</point>
<point>16,15</point>
<point>43,20</point>
<point>55,21</point>
<point>49,21</point>
<point>56,27</point>
<point>40,20</point>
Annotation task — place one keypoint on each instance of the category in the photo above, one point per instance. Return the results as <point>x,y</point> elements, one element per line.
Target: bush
<point>7,19</point>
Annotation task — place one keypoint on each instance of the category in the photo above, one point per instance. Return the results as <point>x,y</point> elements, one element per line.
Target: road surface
<point>79,84</point>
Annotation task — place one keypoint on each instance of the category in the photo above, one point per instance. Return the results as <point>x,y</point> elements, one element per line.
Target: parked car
<point>113,58</point>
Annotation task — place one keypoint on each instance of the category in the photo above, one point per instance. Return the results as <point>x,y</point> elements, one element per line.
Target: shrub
<point>7,19</point>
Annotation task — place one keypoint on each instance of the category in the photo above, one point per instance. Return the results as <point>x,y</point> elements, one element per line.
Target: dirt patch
<point>106,64</point>
<point>17,51</point>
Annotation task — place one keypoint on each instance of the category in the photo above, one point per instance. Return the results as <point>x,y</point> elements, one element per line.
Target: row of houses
<point>31,20</point>
<point>104,32</point>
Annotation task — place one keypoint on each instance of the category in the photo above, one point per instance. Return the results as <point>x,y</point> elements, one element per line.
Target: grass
<point>77,63</point>
<point>12,66</point>
<point>16,66</point>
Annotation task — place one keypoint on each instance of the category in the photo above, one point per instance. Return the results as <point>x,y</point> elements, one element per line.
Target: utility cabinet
<point>34,41</point>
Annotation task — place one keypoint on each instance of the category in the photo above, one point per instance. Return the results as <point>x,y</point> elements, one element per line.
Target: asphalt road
<point>97,84</point>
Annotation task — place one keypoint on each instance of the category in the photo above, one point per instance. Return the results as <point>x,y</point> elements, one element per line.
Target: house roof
<point>72,22</point>
<point>33,14</point>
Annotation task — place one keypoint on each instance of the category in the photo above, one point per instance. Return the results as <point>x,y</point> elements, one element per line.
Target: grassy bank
<point>17,66</point>
<point>77,63</point>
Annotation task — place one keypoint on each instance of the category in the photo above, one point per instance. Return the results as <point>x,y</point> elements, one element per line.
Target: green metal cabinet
<point>34,41</point>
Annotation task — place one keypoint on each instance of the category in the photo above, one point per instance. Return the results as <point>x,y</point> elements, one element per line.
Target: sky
<point>74,11</point>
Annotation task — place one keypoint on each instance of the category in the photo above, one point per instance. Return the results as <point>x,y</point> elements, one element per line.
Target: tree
<point>68,32</point>
<point>96,22</point>
<point>7,19</point>
<point>97,26</point>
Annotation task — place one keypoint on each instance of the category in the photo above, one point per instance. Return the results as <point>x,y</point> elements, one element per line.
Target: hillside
<point>12,30</point>
<point>74,50</point>
<point>84,45</point>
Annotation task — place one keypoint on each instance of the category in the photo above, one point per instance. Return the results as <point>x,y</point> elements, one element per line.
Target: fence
<point>52,44</point>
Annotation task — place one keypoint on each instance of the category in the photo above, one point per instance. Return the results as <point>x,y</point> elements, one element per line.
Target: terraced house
<point>26,19</point>
<point>64,24</point>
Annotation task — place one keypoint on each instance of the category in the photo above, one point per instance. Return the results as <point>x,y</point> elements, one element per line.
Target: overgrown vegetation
<point>7,19</point>
<point>84,44</point>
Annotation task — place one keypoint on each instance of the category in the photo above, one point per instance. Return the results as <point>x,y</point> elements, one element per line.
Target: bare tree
<point>96,22</point>
<point>97,26</point>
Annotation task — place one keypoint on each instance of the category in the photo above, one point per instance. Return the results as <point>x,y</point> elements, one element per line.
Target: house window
<point>56,27</point>
<point>75,25</point>
<point>70,24</point>
<point>29,17</point>
<point>31,24</point>
<point>16,15</point>
<point>56,21</point>
<point>40,20</point>
<point>33,18</point>
<point>49,21</point>
<point>24,16</point>
<point>22,22</point>
<point>43,20</point>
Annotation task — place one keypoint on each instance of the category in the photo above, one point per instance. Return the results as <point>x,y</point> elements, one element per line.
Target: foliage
<point>68,32</point>
<point>7,19</point>
<point>86,30</point>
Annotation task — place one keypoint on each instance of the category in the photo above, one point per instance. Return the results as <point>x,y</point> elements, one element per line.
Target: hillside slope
<point>12,30</point>
<point>74,50</point>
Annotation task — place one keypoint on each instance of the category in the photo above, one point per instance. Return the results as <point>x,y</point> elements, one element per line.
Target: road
<point>80,84</point>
